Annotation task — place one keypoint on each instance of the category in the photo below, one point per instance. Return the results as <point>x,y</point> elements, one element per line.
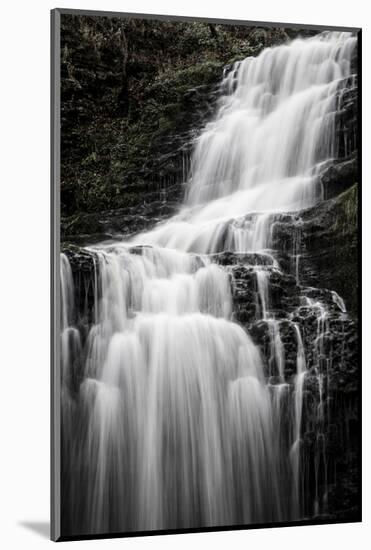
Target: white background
<point>24,300</point>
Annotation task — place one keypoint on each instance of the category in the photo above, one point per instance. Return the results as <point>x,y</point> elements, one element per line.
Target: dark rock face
<point>342,173</point>
<point>110,224</point>
<point>83,266</point>
<point>227,258</point>
<point>327,238</point>
<point>330,399</point>
<point>129,112</point>
<point>338,177</point>
<point>134,95</point>
<point>347,116</point>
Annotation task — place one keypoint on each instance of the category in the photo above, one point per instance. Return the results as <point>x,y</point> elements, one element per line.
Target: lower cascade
<point>194,360</point>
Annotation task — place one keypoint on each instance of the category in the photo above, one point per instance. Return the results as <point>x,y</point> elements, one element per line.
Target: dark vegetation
<point>134,92</point>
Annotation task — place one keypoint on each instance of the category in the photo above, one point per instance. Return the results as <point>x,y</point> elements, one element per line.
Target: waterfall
<point>173,416</point>
<point>272,135</point>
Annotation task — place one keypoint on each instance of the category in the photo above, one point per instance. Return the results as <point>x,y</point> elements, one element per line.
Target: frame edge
<point>55,528</point>
<point>189,18</point>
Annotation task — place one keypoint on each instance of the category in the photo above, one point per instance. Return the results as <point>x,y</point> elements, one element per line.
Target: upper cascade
<point>275,126</point>
<point>273,134</point>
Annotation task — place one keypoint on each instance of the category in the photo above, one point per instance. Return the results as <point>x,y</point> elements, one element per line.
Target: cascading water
<point>172,416</point>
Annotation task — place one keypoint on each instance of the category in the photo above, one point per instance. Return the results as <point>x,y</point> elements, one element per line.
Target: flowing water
<point>172,417</point>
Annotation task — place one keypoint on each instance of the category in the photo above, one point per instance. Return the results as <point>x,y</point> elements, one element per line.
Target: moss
<point>131,90</point>
<point>342,241</point>
<point>331,246</point>
<point>346,211</point>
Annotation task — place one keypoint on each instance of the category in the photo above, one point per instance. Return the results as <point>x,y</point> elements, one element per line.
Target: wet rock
<point>338,177</point>
<point>326,238</point>
<point>87,228</point>
<point>235,258</point>
<point>83,267</point>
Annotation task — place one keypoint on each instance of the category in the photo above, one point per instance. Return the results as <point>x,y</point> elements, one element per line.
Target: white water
<point>273,132</point>
<point>178,424</point>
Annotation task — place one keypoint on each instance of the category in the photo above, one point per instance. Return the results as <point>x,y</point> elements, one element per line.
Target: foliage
<point>131,91</point>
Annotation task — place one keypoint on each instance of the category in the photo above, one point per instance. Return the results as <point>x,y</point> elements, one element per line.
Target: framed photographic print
<point>205,274</point>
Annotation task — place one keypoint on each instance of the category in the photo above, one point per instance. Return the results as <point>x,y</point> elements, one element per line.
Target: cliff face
<point>134,94</point>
